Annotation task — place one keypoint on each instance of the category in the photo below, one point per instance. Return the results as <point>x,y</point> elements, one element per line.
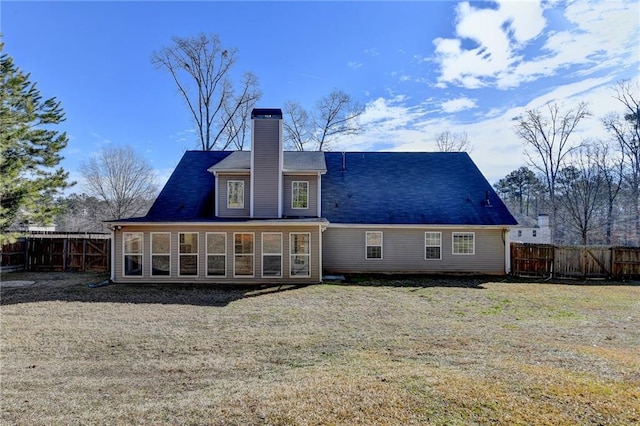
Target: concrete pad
<point>16,283</point>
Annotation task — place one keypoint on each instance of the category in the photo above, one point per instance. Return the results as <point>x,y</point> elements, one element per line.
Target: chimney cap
<point>267,113</point>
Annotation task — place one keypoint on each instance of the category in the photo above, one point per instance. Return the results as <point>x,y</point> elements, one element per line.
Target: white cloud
<point>355,65</point>
<point>460,104</point>
<point>595,35</point>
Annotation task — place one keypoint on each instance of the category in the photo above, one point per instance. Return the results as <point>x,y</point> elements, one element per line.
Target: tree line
<point>590,188</point>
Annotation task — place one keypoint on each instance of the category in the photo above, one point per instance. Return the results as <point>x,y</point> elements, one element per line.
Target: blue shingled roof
<point>374,187</point>
<point>409,188</point>
<point>188,194</point>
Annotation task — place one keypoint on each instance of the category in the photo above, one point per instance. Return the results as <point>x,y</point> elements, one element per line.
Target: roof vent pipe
<point>486,197</point>
<point>344,162</point>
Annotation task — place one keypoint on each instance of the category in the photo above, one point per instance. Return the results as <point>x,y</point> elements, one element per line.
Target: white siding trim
<point>409,226</point>
<point>319,207</point>
<point>113,255</point>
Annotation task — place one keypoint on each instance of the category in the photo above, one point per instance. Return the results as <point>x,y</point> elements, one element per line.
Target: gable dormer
<point>268,183</point>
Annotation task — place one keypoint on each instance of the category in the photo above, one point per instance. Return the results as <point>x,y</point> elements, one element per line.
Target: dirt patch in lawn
<point>365,353</point>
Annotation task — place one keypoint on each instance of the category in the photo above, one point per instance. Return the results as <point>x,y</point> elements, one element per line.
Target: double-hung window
<point>235,194</point>
<point>160,254</point>
<point>243,255</point>
<point>374,245</point>
<point>132,250</point>
<point>433,245</point>
<point>216,254</point>
<point>188,253</point>
<point>271,254</point>
<point>299,194</point>
<point>300,245</point>
<point>464,243</point>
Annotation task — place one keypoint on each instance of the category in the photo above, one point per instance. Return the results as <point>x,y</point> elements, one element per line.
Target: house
<point>539,233</point>
<point>270,216</point>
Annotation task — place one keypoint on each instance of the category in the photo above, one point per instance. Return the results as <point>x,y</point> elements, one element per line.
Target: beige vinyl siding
<point>223,211</point>
<point>266,168</point>
<point>202,250</point>
<point>312,210</point>
<point>404,251</point>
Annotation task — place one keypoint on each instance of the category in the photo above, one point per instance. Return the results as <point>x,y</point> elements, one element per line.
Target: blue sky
<point>418,67</point>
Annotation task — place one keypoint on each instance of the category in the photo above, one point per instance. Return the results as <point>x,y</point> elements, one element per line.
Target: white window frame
<point>252,254</point>
<point>153,234</point>
<point>230,184</point>
<point>197,255</point>
<point>367,245</point>
<point>125,253</point>
<point>223,254</point>
<point>292,255</point>
<point>271,254</point>
<point>463,234</point>
<point>432,245</point>
<point>293,194</point>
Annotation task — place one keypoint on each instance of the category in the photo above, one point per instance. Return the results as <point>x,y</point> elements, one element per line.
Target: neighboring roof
<point>267,113</point>
<point>374,187</point>
<point>409,188</point>
<point>293,161</point>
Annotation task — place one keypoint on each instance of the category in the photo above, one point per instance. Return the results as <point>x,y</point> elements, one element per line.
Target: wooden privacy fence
<point>58,252</point>
<point>545,260</point>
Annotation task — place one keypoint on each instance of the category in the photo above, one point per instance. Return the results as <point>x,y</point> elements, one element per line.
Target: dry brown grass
<point>420,351</point>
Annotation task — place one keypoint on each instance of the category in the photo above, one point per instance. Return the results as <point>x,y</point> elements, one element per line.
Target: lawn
<point>414,351</point>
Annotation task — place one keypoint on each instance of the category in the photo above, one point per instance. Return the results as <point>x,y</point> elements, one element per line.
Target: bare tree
<point>121,178</point>
<point>335,115</point>
<point>448,141</point>
<point>547,140</point>
<point>625,128</point>
<point>203,61</point>
<point>580,188</point>
<point>611,170</point>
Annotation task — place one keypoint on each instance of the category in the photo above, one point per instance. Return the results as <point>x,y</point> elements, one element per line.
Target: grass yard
<point>416,351</point>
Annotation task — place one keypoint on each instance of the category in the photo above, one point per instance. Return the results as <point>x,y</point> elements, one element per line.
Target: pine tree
<point>30,178</point>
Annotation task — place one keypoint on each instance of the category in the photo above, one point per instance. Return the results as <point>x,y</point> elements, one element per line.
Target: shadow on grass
<point>166,294</point>
<point>420,281</point>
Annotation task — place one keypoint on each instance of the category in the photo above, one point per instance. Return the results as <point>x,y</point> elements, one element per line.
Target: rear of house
<point>270,216</point>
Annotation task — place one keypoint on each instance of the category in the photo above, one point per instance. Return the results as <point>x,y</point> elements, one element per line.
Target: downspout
<point>113,254</point>
<point>506,236</point>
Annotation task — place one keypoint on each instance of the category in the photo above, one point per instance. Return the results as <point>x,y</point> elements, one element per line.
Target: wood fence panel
<point>626,262</point>
<point>531,259</point>
<point>59,252</point>
<point>594,262</point>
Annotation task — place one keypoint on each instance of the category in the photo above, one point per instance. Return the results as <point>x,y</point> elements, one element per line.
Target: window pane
<point>463,244</point>
<point>235,195</point>
<point>300,265</point>
<point>272,243</point>
<point>432,253</point>
<point>216,244</point>
<point>216,265</point>
<point>300,195</point>
<point>244,265</point>
<point>374,238</point>
<point>271,266</point>
<point>133,265</point>
<point>133,242</point>
<point>160,243</point>
<point>189,242</point>
<point>432,238</point>
<point>160,265</point>
<point>188,265</point>
<point>374,252</point>
<point>243,243</point>
<point>299,243</point>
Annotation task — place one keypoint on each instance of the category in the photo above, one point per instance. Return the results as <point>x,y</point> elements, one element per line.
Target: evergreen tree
<point>30,178</point>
